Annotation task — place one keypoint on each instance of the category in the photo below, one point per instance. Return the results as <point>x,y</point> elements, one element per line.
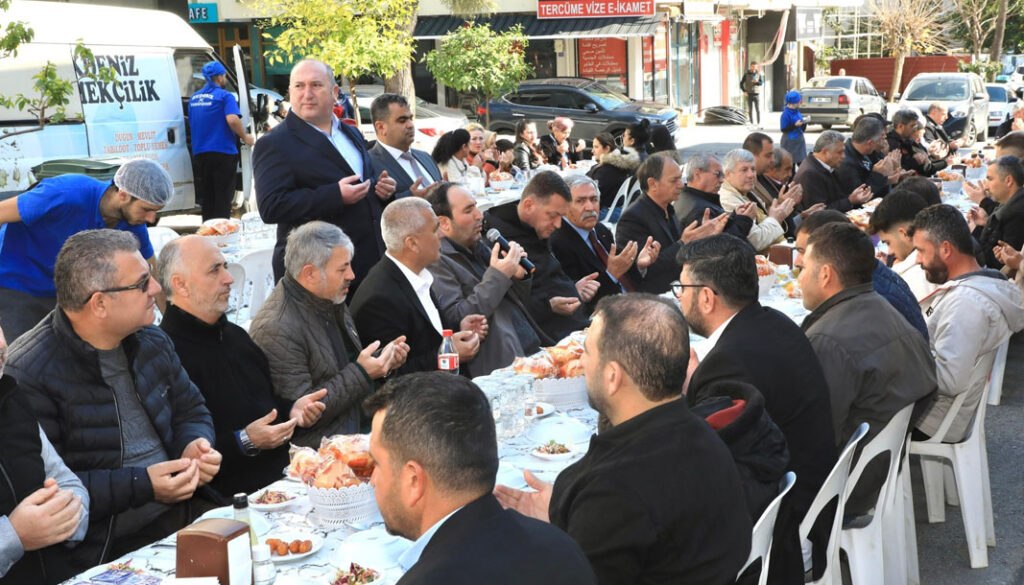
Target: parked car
<point>1017,77</point>
<point>432,120</point>
<point>962,93</point>
<point>1000,104</point>
<point>593,107</point>
<point>839,100</point>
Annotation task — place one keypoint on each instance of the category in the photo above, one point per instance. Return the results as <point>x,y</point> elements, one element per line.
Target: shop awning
<point>435,27</point>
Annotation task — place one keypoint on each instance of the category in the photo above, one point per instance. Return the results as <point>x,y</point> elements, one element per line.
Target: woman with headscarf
<point>793,127</point>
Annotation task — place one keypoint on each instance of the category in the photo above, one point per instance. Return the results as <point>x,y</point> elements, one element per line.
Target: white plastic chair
<point>864,544</point>
<point>159,236</point>
<point>833,488</point>
<point>969,464</point>
<point>995,383</point>
<point>259,278</point>
<point>234,311</point>
<point>627,192</point>
<point>761,537</point>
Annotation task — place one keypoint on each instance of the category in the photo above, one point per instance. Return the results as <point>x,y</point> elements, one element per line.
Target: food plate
<point>546,407</point>
<point>272,507</point>
<point>318,543</point>
<point>560,428</point>
<point>536,452</point>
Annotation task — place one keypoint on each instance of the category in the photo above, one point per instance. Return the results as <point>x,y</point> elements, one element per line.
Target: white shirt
<point>411,556</point>
<point>912,273</point>
<point>421,286</point>
<point>348,151</point>
<point>407,166</point>
<point>703,348</point>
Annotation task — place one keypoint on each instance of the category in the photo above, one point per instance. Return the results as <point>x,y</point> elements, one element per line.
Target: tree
<point>51,92</point>
<point>908,27</point>
<point>475,58</point>
<point>997,43</point>
<point>978,18</point>
<point>354,37</point>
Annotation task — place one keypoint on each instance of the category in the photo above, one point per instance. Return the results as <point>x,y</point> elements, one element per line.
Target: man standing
<point>973,311</point>
<point>433,485</point>
<point>470,278</point>
<point>397,300</point>
<point>305,330</point>
<point>751,83</point>
<point>252,426</point>
<point>585,247</point>
<point>657,498</point>
<point>758,345</point>
<point>740,176</point>
<point>413,170</point>
<point>555,299</point>
<point>113,398</point>
<point>1004,183</point>
<point>215,121</point>
<point>817,175</point>
<point>652,216</point>
<point>315,167</point>
<point>37,222</point>
<point>891,221</point>
<point>704,178</point>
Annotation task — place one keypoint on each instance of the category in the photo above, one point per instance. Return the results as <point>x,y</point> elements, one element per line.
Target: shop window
<point>540,54</point>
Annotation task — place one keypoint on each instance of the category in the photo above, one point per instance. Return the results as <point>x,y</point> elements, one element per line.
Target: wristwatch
<point>248,448</point>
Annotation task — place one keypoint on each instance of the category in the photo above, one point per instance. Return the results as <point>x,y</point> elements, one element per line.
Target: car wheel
<point>971,135</point>
<point>826,126</point>
<point>983,137</point>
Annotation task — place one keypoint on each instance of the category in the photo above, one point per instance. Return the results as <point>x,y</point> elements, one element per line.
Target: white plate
<point>318,543</point>
<point>559,428</point>
<point>257,520</point>
<point>546,407</point>
<point>555,457</point>
<point>292,498</point>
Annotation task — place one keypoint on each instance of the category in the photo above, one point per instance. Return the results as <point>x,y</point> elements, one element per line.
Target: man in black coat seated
<point>760,346</point>
<point>817,175</point>
<point>586,248</point>
<point>252,425</point>
<point>864,161</point>
<point>556,300</point>
<point>657,498</point>
<point>1005,185</point>
<point>704,177</point>
<point>913,155</point>
<point>934,133</point>
<point>433,486</point>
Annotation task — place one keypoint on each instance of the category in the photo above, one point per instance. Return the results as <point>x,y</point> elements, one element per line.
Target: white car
<point>431,122</point>
<point>1000,104</point>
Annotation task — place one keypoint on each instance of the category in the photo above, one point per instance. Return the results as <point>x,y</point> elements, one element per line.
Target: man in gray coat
<point>875,361</point>
<point>471,278</point>
<point>309,338</point>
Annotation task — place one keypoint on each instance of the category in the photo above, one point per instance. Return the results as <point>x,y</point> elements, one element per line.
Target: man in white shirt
<point>891,222</point>
<point>413,170</point>
<point>397,299</point>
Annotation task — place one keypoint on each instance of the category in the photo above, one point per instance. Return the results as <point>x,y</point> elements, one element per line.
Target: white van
<point>157,57</point>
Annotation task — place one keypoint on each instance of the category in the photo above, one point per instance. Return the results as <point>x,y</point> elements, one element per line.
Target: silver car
<point>962,94</point>
<point>839,100</point>
<point>1000,104</point>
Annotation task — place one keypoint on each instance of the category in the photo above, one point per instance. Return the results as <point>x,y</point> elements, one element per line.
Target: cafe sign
<point>593,8</point>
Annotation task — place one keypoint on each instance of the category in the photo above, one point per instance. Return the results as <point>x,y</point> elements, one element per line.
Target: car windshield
<point>608,98</point>
<point>831,82</point>
<point>996,94</point>
<point>937,89</point>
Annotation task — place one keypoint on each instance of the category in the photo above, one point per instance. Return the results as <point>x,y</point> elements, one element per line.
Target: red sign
<point>593,8</point>
<point>602,57</point>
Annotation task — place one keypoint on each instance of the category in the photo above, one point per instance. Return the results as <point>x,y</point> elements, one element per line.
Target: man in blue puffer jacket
<point>112,397</point>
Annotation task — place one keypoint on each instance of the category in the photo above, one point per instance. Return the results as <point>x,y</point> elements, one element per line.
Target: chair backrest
<point>259,275</point>
<point>159,236</point>
<point>761,537</point>
<point>235,298</point>
<point>890,440</point>
<point>995,376</point>
<point>833,488</point>
<point>627,191</point>
<point>995,380</point>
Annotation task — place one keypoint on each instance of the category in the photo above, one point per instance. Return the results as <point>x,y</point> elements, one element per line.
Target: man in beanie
<point>215,121</point>
<point>35,224</point>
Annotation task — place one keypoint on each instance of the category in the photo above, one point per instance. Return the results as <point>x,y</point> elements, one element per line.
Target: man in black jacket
<point>704,177</point>
<point>934,133</point>
<point>656,499</point>
<point>433,486</point>
<point>913,155</point>
<point>252,425</point>
<point>113,398</point>
<point>863,162</point>
<point>556,300</point>
<point>1005,184</point>
<point>760,346</point>
<point>585,247</point>
<point>817,175</point>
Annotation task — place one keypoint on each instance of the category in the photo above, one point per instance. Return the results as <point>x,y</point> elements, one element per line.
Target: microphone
<point>495,237</point>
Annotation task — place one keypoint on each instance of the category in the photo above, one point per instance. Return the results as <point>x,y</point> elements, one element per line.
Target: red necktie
<point>602,255</point>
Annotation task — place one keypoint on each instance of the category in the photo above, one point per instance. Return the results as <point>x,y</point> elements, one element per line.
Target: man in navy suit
<point>413,170</point>
<point>314,167</point>
<point>433,485</point>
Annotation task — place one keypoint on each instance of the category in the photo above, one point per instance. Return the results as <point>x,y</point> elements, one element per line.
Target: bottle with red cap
<point>447,356</point>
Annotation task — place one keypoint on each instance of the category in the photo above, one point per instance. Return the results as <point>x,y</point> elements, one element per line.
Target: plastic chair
<point>237,291</point>
<point>969,463</point>
<point>863,543</point>
<point>258,278</point>
<point>761,538</point>
<point>995,383</point>
<point>627,192</point>
<point>833,488</point>
<point>159,236</point>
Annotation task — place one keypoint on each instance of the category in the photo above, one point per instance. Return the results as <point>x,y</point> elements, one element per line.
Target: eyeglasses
<point>717,174</point>
<point>142,286</point>
<point>677,287</point>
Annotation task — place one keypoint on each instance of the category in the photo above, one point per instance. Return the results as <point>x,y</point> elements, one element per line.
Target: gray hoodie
<point>968,319</point>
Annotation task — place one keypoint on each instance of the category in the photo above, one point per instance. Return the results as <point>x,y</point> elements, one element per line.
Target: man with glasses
<point>112,397</point>
<point>37,222</point>
<point>699,197</point>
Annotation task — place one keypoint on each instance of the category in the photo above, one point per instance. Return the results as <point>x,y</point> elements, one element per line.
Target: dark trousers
<point>754,106</point>
<point>20,311</point>
<point>215,182</point>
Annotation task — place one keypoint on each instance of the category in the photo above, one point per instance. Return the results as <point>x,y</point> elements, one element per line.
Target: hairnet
<point>146,180</point>
<point>793,97</point>
<point>212,69</point>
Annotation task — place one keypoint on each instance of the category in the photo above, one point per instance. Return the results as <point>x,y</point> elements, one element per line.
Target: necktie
<point>417,174</point>
<point>602,255</point>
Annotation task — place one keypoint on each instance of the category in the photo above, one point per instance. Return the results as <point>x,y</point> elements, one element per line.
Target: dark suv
<point>593,108</point>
